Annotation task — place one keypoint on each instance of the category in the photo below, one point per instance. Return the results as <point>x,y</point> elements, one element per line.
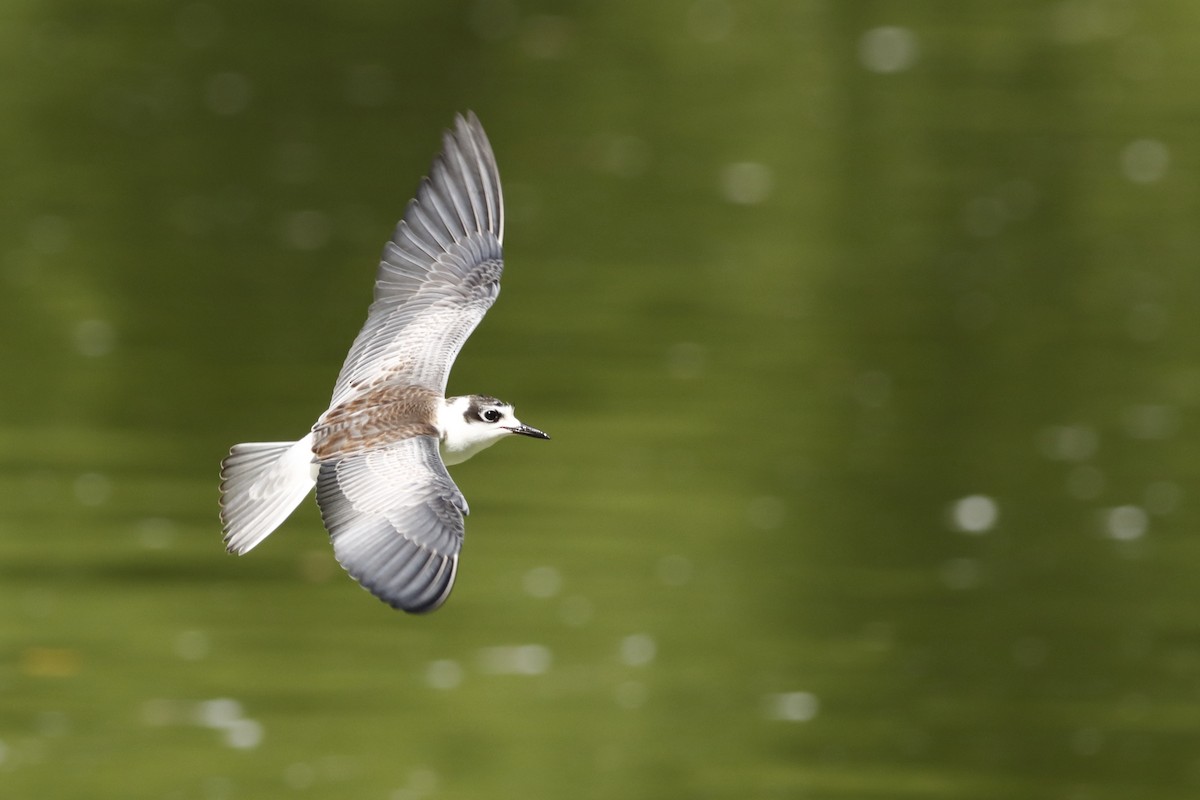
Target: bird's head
<point>473,422</point>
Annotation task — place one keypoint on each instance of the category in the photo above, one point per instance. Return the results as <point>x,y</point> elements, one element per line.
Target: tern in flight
<point>378,455</point>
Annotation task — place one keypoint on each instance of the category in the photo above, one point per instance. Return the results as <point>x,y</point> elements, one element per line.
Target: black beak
<point>525,430</point>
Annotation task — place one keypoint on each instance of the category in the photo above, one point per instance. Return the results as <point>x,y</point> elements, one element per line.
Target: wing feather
<point>438,275</point>
<point>396,520</point>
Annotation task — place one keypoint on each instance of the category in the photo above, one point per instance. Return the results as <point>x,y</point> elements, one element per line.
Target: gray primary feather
<point>439,274</point>
<point>396,520</point>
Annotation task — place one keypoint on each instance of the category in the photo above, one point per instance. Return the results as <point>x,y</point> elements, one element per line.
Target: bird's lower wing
<point>396,521</point>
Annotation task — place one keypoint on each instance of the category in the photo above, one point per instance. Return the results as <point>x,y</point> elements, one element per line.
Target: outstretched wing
<point>439,274</point>
<point>396,520</point>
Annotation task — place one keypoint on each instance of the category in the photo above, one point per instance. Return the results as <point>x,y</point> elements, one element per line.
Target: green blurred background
<point>862,330</point>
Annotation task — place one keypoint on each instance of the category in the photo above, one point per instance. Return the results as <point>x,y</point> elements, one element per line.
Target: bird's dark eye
<point>491,415</point>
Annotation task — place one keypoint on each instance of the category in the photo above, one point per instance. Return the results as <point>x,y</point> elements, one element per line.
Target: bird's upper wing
<point>439,274</point>
<point>396,520</point>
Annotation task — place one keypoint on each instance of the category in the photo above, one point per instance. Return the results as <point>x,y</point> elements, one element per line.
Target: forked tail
<point>261,484</point>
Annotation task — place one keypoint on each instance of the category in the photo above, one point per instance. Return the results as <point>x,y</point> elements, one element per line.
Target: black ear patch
<point>477,404</point>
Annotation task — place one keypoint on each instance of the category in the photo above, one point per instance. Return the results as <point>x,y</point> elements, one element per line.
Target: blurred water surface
<point>862,330</point>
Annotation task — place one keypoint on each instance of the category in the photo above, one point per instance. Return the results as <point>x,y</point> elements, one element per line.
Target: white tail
<point>261,484</point>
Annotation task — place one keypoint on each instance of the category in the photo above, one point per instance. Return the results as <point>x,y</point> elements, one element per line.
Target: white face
<point>470,424</point>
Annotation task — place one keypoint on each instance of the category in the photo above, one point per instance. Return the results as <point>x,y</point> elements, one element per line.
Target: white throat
<point>458,439</point>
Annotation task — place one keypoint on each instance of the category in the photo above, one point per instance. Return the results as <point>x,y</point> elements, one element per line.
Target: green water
<point>864,331</point>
